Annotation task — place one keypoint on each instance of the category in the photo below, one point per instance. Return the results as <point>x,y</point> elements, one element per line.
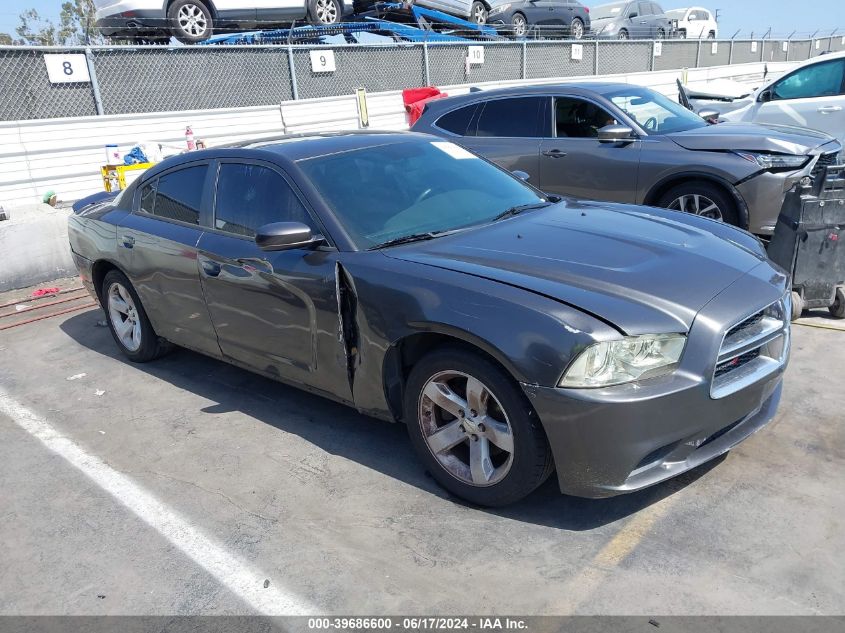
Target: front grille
<point>825,160</point>
<point>736,362</point>
<point>751,349</point>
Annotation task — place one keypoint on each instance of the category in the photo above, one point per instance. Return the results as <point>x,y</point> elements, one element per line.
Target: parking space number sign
<point>577,52</point>
<point>67,69</point>
<point>475,54</point>
<point>322,61</point>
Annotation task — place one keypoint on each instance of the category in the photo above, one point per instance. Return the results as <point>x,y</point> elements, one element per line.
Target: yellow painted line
<point>584,585</point>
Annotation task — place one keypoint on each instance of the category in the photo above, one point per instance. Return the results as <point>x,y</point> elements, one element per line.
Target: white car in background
<point>812,95</point>
<point>695,23</point>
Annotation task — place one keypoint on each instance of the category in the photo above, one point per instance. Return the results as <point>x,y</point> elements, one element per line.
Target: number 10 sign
<point>66,69</point>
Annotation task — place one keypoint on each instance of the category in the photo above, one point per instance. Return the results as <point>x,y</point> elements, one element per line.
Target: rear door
<point>644,22</point>
<point>157,246</point>
<point>508,132</point>
<point>269,309</point>
<point>573,161</point>
<point>812,96</point>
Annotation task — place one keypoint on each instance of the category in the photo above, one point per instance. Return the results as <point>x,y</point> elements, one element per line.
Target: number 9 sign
<point>322,61</point>
<point>65,69</point>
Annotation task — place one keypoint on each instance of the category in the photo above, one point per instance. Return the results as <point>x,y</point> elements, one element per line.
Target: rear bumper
<point>132,21</point>
<point>86,269</point>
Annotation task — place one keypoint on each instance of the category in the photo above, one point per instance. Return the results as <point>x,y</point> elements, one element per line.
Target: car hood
<point>600,23</point>
<point>642,270</point>
<point>753,137</point>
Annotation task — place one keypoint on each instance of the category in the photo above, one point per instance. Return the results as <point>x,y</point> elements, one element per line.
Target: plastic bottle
<point>189,139</point>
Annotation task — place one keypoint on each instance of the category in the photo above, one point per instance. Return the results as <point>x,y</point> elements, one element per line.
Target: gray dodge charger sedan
<point>514,333</point>
<point>626,143</point>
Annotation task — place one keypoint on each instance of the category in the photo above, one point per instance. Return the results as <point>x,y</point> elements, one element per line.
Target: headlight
<point>497,10</point>
<point>775,162</point>
<point>632,358</point>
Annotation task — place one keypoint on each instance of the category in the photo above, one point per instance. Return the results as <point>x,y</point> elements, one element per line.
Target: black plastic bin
<point>809,242</point>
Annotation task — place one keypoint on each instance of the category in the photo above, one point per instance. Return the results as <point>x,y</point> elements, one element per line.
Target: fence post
<point>294,88</point>
<point>95,85</point>
<point>596,60</point>
<point>524,59</point>
<point>698,55</point>
<point>731,54</point>
<point>651,61</point>
<point>425,62</point>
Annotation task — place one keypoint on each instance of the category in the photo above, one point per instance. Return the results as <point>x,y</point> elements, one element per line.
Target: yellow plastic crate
<point>114,176</point>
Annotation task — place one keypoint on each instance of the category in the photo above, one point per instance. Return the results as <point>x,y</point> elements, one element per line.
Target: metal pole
<point>524,59</point>
<point>425,61</point>
<point>731,54</point>
<point>596,60</point>
<point>294,88</point>
<point>698,55</point>
<point>95,85</point>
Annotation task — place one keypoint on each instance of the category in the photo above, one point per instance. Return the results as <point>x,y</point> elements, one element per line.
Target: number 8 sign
<point>65,69</point>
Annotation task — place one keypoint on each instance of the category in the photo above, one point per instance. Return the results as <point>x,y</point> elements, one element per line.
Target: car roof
<point>296,147</point>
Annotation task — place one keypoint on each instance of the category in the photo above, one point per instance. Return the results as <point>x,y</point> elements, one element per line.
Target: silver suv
<point>193,21</point>
<point>625,143</point>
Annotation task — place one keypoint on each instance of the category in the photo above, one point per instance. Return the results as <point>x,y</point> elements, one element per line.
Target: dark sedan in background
<point>564,18</point>
<point>625,143</point>
<point>513,332</point>
<point>629,20</point>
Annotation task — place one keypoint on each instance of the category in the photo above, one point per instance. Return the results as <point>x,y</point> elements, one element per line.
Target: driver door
<point>573,162</point>
<point>275,312</point>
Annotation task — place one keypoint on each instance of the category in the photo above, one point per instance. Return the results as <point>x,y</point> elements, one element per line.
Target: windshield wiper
<point>407,239</point>
<point>507,213</point>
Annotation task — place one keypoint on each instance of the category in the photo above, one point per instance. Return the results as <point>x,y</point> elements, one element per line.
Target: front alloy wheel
<point>697,205</point>
<point>466,429</point>
<point>474,429</point>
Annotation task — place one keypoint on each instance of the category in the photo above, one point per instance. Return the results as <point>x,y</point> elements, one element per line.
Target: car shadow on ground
<point>340,430</point>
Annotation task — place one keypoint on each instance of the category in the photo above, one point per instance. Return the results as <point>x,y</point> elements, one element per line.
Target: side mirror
<point>282,236</point>
<point>765,96</point>
<point>709,115</point>
<point>616,134</point>
<point>522,175</point>
<point>633,15</point>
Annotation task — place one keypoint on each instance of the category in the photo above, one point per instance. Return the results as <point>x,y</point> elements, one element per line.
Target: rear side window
<point>518,117</point>
<point>644,8</point>
<point>250,196</point>
<point>457,121</point>
<point>178,194</point>
<point>148,193</point>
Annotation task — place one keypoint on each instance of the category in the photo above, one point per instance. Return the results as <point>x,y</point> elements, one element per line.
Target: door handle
<point>212,269</point>
<point>128,241</point>
<point>830,109</point>
<point>554,153</point>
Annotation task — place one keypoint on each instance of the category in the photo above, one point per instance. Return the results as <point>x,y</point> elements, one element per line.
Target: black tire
<point>838,307</point>
<point>711,35</point>
<point>726,206</point>
<point>531,460</point>
<point>324,12</point>
<point>576,29</point>
<point>151,346</point>
<point>519,25</point>
<point>478,13</point>
<point>797,306</point>
<point>190,21</point>
<point>661,34</point>
<point>623,35</point>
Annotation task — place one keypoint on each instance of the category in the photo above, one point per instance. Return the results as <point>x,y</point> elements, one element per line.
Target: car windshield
<point>655,113</point>
<point>608,11</point>
<point>391,191</point>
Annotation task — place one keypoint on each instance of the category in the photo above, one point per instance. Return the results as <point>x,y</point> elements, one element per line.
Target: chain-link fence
<point>135,79</point>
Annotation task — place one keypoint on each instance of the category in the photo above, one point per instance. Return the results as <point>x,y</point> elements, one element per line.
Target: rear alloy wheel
<point>576,29</point>
<point>325,12</point>
<point>701,198</point>
<point>519,25</point>
<point>474,429</point>
<point>190,21</point>
<point>128,321</point>
<point>478,13</point>
<point>661,34</point>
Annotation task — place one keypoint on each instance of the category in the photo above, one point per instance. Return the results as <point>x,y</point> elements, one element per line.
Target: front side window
<point>250,196</point>
<point>819,80</point>
<point>384,193</point>
<point>178,194</point>
<point>644,8</point>
<point>655,113</point>
<point>517,117</point>
<point>576,118</point>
